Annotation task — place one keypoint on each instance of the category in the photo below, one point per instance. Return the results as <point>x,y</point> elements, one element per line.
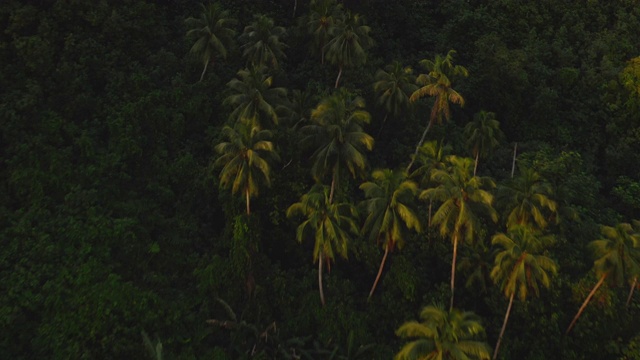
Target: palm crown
<point>452,335</point>
<point>253,99</point>
<point>214,34</point>
<point>245,159</point>
<point>262,42</point>
<point>337,136</point>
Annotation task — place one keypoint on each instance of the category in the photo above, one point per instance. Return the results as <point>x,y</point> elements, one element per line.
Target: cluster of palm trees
<point>461,204</point>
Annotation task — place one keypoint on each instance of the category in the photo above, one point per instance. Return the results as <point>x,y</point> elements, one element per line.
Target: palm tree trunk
<point>320,261</point>
<point>430,205</point>
<point>204,71</point>
<point>247,195</point>
<point>415,154</point>
<point>384,260</point>
<point>586,302</point>
<point>338,78</point>
<point>381,126</point>
<point>504,326</point>
<point>475,167</point>
<point>453,269</point>
<point>633,286</point>
<point>513,164</point>
<point>295,6</point>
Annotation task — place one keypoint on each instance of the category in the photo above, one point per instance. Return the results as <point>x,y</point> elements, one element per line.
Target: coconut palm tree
<point>394,85</point>
<point>390,209</point>
<point>337,138</point>
<point>442,335</point>
<point>618,259</point>
<point>328,224</point>
<point>253,99</point>
<point>521,266</point>
<point>214,34</point>
<point>477,262</point>
<point>527,199</point>
<point>437,83</point>
<point>483,135</point>
<point>262,42</point>
<point>320,23</point>
<point>430,157</point>
<point>349,43</point>
<point>464,197</point>
<point>244,159</point>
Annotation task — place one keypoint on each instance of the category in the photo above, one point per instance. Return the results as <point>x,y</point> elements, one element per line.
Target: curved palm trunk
<point>384,260</point>
<point>334,180</point>
<point>204,71</point>
<point>295,6</point>
<point>475,167</point>
<point>504,326</point>
<point>381,126</point>
<point>338,78</point>
<point>633,286</point>
<point>415,154</point>
<point>248,196</point>
<point>453,268</point>
<point>320,261</point>
<point>586,302</point>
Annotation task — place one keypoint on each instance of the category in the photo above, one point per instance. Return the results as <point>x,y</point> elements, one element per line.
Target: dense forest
<point>319,179</point>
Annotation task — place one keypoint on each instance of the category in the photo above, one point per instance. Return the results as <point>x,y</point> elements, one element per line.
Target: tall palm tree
<point>320,23</point>
<point>262,42</point>
<point>390,209</point>
<point>437,83</point>
<point>527,199</point>
<point>214,33</point>
<point>394,85</point>
<point>618,259</point>
<point>253,99</point>
<point>521,266</point>
<point>483,135</point>
<point>327,223</point>
<point>452,335</point>
<point>245,158</point>
<point>430,157</point>
<point>337,137</point>
<point>463,198</point>
<point>349,43</point>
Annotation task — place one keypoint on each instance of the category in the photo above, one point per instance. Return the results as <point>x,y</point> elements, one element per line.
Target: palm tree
<point>214,33</point>
<point>262,42</point>
<point>348,46</point>
<point>245,160</point>
<point>477,263</point>
<point>253,99</point>
<point>617,259</point>
<point>463,198</point>
<point>321,22</point>
<point>394,85</point>
<point>389,205</point>
<point>483,135</point>
<point>452,335</point>
<point>430,157</point>
<point>327,223</point>
<point>521,266</point>
<point>337,136</point>
<point>437,83</point>
<point>527,199</point>
<point>300,105</point>
<point>634,282</point>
